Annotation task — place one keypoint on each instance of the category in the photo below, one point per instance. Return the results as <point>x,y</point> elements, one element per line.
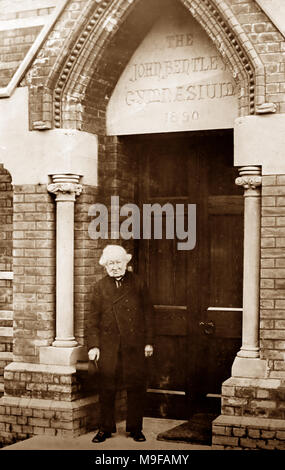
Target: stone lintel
<point>61,356</point>
<point>249,367</point>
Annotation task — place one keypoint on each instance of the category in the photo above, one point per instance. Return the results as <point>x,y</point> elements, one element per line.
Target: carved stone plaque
<point>175,81</point>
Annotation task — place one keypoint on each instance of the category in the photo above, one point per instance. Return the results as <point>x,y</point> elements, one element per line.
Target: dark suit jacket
<point>121,319</point>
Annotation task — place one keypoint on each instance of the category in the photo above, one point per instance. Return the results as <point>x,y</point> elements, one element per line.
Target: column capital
<point>250,177</point>
<point>65,187</point>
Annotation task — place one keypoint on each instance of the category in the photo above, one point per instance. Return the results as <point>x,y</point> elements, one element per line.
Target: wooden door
<point>225,256</point>
<point>197,293</point>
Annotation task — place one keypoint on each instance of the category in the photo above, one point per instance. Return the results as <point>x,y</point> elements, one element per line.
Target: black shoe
<point>101,436</point>
<point>138,436</point>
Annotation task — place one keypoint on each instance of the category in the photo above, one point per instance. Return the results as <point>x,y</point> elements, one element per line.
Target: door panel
<point>226,242</point>
<point>167,280</point>
<point>171,320</point>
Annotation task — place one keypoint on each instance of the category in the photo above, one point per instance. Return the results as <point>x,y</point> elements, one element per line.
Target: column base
<point>62,356</point>
<point>62,343</point>
<point>249,367</point>
<point>250,352</point>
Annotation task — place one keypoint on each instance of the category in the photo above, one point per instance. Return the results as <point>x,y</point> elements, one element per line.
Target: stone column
<point>66,188</point>
<point>250,179</point>
<point>65,348</point>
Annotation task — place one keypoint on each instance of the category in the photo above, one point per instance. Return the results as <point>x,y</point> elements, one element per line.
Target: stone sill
<point>252,422</point>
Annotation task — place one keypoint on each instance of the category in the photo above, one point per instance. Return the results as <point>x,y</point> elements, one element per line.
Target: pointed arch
<point>76,68</point>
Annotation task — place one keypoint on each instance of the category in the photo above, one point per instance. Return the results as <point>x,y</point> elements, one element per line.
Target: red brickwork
<point>17,40</point>
<point>272,293</point>
<point>34,271</point>
<point>6,265</point>
<point>14,44</point>
<point>49,385</point>
<point>117,171</point>
<point>245,434</point>
<point>253,397</point>
<point>86,257</point>
<point>269,45</point>
<point>6,225</point>
<point>253,415</point>
<point>21,418</point>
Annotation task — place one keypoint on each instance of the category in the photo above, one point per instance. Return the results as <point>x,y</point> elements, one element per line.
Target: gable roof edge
<point>277,19</point>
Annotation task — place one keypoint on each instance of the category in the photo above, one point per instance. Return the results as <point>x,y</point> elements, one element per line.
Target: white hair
<point>114,251</point>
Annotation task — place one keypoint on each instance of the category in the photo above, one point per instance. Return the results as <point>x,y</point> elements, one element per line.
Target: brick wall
<point>14,44</point>
<point>34,270</point>
<point>268,43</point>
<point>253,398</point>
<point>21,418</point>
<point>262,434</point>
<point>6,225</point>
<point>6,267</point>
<point>272,293</point>
<point>41,382</point>
<point>20,24</point>
<point>6,343</point>
<point>39,77</point>
<point>117,171</point>
<point>253,415</point>
<point>86,257</point>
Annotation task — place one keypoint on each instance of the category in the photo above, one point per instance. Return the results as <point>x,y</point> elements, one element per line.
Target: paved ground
<point>119,441</point>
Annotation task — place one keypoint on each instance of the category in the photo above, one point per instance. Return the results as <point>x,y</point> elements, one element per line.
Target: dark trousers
<point>135,409</point>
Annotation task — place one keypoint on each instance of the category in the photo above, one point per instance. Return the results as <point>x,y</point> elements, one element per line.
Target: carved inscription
<point>179,40</point>
<point>167,68</point>
<point>176,80</point>
<point>181,93</point>
<point>188,67</point>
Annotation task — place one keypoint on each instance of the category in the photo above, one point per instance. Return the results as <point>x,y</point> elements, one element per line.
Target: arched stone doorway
<point>81,83</point>
<point>117,168</point>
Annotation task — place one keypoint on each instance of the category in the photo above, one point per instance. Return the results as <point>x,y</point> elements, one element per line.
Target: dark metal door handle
<point>208,327</point>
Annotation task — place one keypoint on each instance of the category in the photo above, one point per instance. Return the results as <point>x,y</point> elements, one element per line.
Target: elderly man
<point>120,338</point>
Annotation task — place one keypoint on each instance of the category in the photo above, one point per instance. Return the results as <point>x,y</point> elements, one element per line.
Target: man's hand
<point>148,350</point>
<point>94,354</point>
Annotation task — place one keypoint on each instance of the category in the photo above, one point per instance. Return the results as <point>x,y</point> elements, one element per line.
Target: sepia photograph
<point>142,230</point>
